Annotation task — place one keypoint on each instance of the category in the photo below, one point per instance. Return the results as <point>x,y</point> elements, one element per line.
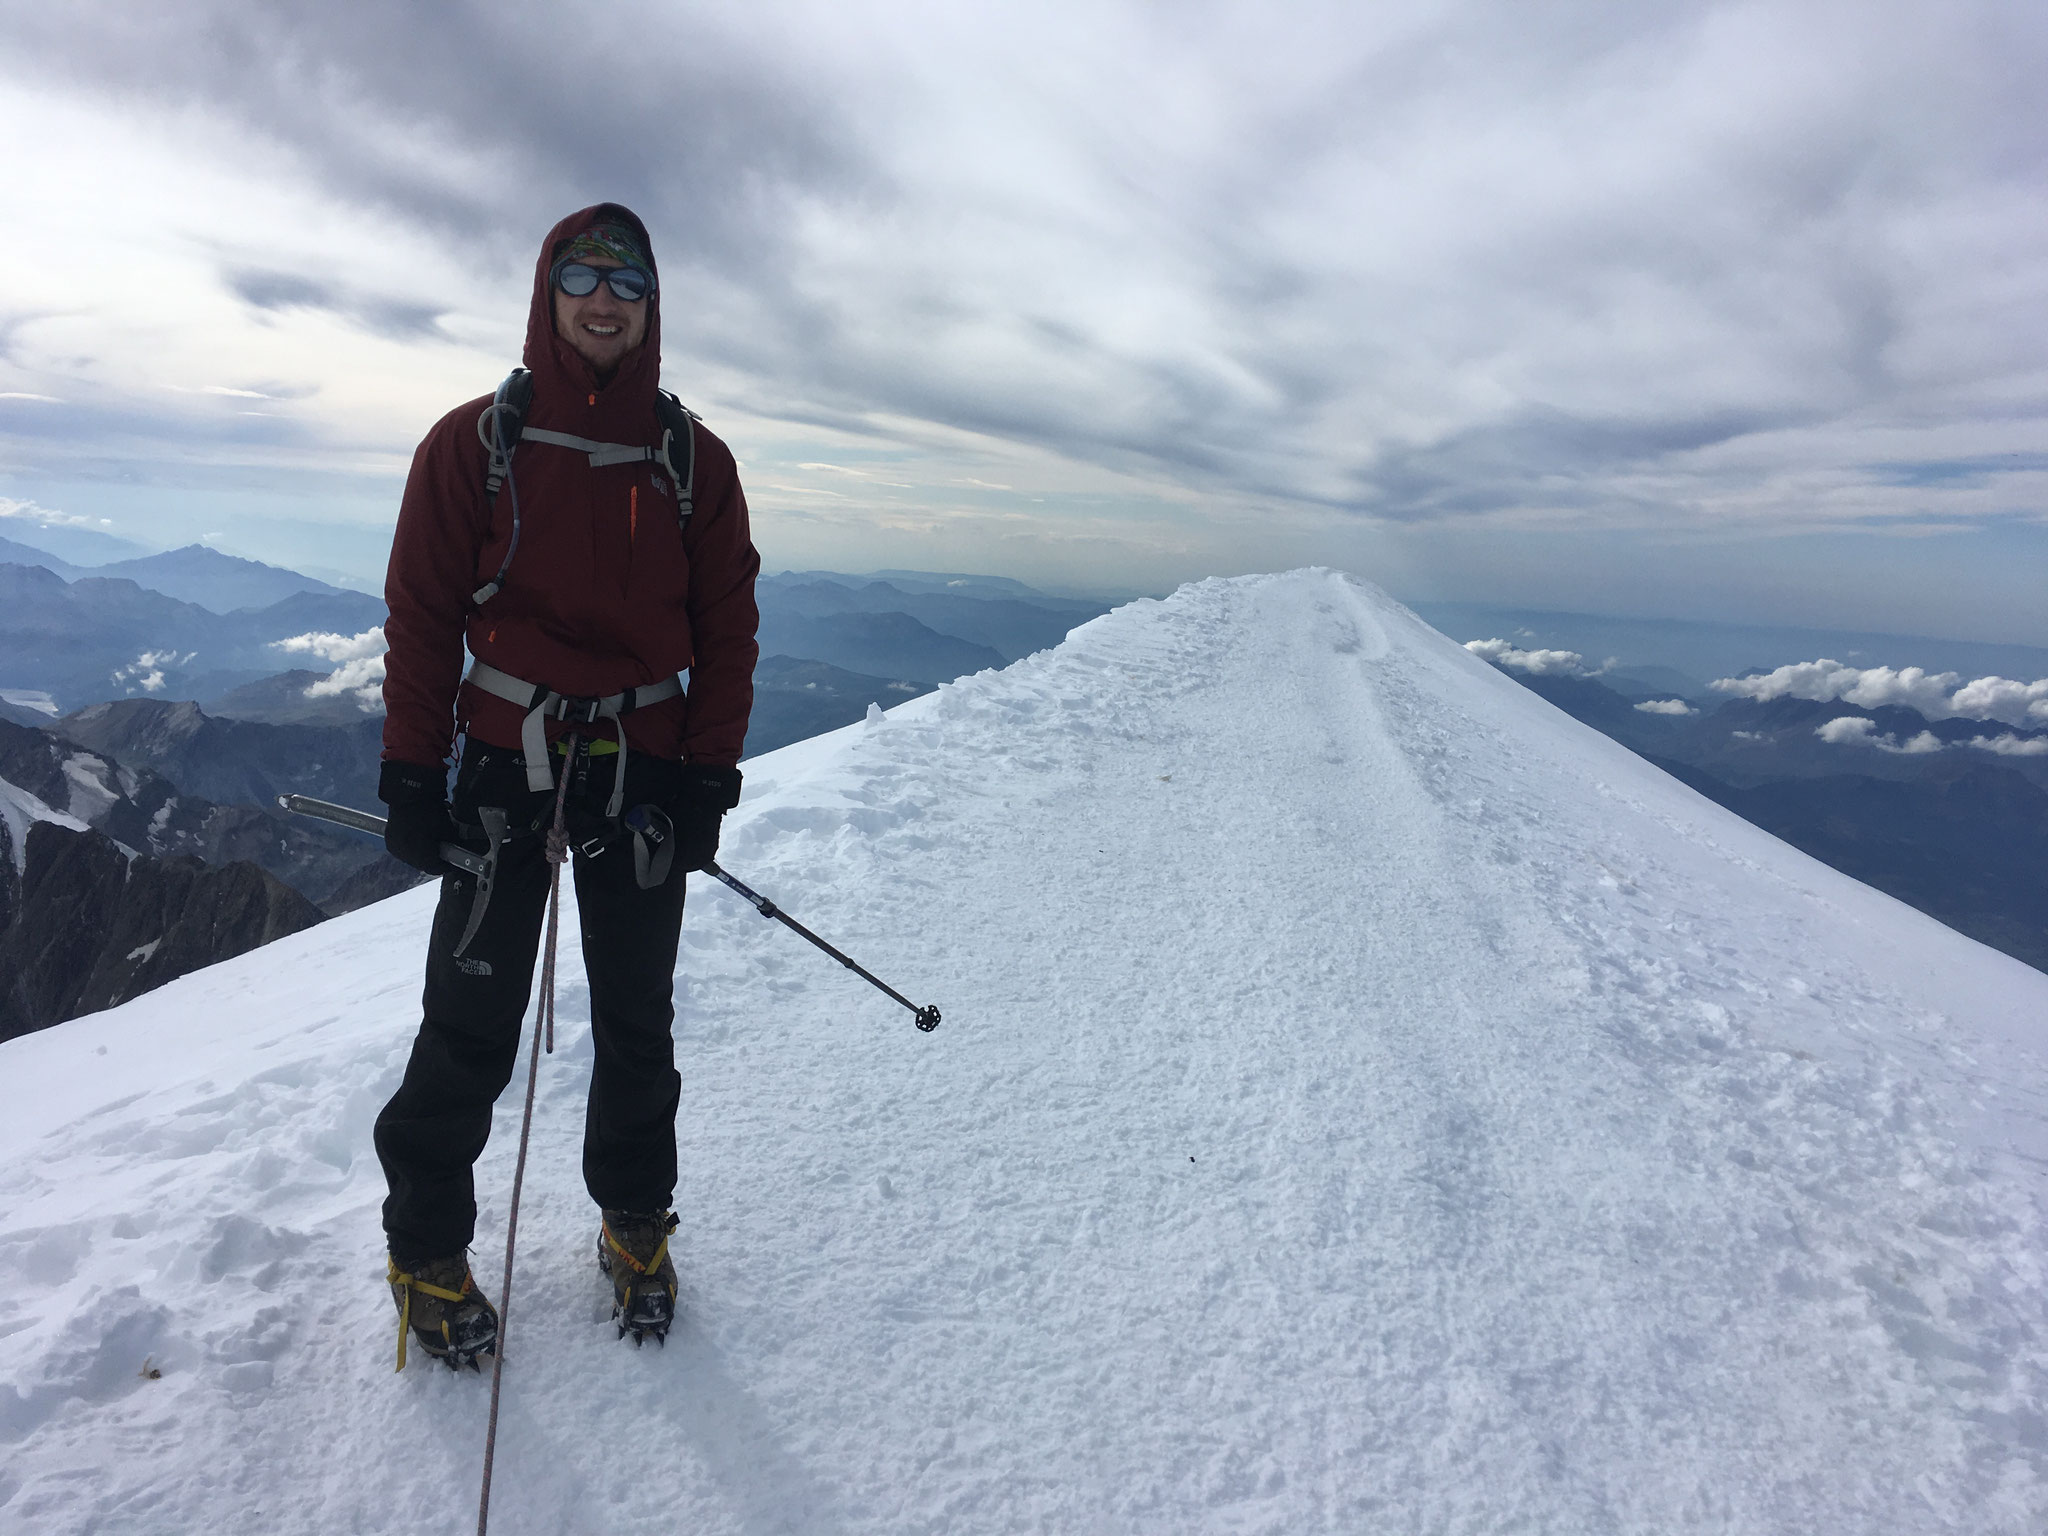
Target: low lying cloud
<point>362,679</point>
<point>337,648</point>
<point>29,512</point>
<point>147,670</point>
<point>1934,695</point>
<point>2011,746</point>
<point>359,672</point>
<point>1859,731</point>
<point>1504,653</point>
<point>1666,707</point>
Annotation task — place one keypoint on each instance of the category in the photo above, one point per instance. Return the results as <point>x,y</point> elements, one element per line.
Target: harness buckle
<point>578,711</point>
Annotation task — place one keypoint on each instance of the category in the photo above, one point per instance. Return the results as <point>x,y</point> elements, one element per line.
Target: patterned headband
<point>615,242</point>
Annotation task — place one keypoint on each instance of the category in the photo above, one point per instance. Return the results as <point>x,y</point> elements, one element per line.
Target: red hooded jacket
<point>605,593</point>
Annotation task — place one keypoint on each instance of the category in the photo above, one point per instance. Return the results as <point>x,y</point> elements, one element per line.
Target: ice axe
<point>484,866</point>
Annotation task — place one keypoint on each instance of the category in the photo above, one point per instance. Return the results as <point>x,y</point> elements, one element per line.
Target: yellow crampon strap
<point>413,1283</point>
<point>650,1266</point>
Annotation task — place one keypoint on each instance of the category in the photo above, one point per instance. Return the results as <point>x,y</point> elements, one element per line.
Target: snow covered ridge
<point>1368,1100</point>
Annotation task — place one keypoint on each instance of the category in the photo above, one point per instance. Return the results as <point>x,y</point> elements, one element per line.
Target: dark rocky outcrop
<point>146,813</point>
<point>10,878</point>
<point>233,762</point>
<point>93,928</point>
<point>70,890</point>
<point>383,876</point>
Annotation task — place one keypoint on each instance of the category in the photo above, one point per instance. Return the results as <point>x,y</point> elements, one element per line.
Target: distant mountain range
<point>99,637</point>
<point>194,574</point>
<point>197,624</point>
<point>68,541</point>
<point>1004,623</point>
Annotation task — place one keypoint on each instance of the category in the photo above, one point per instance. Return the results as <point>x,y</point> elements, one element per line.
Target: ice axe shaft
<point>927,1017</point>
<point>362,821</point>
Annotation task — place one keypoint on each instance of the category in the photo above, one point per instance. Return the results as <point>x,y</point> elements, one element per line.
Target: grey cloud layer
<point>1626,261</point>
<point>290,290</point>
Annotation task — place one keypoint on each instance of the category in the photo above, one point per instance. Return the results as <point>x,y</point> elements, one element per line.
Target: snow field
<point>1367,1100</point>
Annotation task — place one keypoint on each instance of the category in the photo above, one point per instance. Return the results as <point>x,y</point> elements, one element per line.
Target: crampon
<point>633,1250</point>
<point>441,1309</point>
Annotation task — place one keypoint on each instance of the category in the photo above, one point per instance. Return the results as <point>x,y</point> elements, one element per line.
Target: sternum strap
<point>600,454</point>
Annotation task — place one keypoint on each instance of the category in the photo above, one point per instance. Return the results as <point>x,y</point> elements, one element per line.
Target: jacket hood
<point>559,371</point>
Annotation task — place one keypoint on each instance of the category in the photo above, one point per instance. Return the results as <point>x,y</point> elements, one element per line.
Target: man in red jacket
<point>581,587</point>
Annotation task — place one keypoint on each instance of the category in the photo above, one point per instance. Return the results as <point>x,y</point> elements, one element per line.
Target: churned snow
<point>1367,1101</point>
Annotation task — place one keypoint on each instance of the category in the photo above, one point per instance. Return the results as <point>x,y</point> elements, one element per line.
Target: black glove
<point>420,821</point>
<point>703,796</point>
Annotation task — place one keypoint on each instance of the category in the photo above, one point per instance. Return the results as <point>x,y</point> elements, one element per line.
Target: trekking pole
<point>927,1017</point>
<point>544,1019</point>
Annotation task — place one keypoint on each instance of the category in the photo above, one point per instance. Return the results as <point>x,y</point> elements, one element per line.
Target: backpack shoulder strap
<point>502,424</point>
<point>679,450</point>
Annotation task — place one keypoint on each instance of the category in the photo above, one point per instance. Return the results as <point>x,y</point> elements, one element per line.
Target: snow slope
<point>1368,1101</point>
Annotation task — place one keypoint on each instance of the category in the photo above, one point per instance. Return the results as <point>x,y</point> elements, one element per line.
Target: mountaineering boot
<point>439,1304</point>
<point>632,1248</point>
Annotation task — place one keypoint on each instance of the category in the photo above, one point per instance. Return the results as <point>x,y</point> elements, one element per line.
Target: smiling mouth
<point>602,330</point>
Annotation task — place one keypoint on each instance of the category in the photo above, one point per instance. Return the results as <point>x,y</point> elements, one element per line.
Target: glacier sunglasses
<point>579,279</point>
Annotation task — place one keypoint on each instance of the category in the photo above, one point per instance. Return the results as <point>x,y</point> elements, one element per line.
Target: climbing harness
<point>502,427</point>
<point>557,856</point>
<point>543,703</point>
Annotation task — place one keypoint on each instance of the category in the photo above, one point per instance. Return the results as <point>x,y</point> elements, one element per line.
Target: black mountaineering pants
<point>432,1132</point>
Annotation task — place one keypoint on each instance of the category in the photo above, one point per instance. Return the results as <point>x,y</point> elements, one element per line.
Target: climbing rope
<point>557,855</point>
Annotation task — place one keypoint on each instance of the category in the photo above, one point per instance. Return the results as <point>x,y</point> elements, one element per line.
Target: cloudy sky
<point>1703,310</point>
